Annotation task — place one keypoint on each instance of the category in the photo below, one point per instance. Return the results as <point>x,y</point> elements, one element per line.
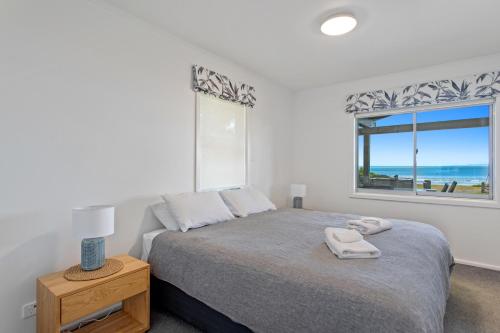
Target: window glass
<point>453,150</point>
<point>385,152</point>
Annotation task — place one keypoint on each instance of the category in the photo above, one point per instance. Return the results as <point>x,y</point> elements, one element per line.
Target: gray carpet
<point>473,306</point>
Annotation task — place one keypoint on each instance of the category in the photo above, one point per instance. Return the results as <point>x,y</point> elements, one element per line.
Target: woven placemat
<point>111,266</point>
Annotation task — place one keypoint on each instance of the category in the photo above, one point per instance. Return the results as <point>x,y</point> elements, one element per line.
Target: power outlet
<point>28,310</point>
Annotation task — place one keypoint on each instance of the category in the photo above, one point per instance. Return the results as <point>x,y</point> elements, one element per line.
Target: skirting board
<point>477,264</point>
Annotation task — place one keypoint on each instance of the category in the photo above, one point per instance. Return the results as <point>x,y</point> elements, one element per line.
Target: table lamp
<point>297,191</point>
<point>91,224</point>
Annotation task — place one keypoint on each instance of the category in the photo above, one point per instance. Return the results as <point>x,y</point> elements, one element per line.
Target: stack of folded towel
<point>369,225</point>
<point>349,244</point>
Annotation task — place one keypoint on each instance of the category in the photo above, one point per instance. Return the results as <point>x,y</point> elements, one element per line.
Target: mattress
<point>147,242</point>
<point>272,272</point>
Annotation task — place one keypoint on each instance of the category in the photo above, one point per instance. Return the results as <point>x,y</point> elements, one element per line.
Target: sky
<point>468,146</point>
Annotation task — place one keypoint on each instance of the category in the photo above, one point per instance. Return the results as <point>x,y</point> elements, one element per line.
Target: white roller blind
<point>221,143</point>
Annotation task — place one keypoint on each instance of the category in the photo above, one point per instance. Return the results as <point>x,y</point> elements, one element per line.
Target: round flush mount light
<point>338,25</point>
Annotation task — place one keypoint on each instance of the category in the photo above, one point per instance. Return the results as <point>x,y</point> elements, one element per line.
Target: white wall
<point>324,153</point>
<point>96,107</point>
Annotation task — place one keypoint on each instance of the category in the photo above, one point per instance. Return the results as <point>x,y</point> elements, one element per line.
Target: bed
<point>272,272</point>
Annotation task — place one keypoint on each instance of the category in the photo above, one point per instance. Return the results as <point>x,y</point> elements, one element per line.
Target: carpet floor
<point>473,306</point>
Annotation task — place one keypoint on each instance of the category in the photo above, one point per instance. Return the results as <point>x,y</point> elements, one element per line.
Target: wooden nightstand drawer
<point>90,300</point>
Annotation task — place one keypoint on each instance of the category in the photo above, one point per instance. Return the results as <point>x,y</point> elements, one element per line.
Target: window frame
<point>198,148</point>
<point>414,193</point>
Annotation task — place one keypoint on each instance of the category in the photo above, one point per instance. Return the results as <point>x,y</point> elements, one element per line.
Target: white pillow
<point>238,201</point>
<point>246,201</point>
<point>261,202</point>
<point>194,210</point>
<point>160,210</point>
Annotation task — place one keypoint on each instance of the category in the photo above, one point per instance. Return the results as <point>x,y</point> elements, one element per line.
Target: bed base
<point>167,297</point>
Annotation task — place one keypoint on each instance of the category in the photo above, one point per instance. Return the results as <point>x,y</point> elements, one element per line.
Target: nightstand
<point>60,301</point>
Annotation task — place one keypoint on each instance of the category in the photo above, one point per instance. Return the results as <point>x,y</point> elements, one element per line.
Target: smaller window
<point>221,135</point>
<point>440,152</point>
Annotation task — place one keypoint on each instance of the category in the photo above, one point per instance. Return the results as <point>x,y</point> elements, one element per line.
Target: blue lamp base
<point>92,253</point>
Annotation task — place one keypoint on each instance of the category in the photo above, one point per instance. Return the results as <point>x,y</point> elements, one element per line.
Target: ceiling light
<point>338,25</point>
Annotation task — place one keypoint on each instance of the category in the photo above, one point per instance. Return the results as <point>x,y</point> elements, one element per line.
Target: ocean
<point>463,174</point>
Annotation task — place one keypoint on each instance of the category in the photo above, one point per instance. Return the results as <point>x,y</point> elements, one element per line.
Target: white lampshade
<point>298,190</point>
<point>93,221</point>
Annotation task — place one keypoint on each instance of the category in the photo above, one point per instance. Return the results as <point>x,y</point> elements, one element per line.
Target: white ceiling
<point>280,39</point>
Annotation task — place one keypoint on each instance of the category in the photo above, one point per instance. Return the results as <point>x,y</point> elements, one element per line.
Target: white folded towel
<point>346,235</point>
<point>355,250</point>
<point>380,222</point>
<point>369,225</point>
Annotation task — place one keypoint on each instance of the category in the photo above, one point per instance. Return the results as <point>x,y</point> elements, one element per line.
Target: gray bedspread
<point>273,272</point>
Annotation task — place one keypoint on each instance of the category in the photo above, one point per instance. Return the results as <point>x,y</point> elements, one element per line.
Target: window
<point>221,136</point>
<point>433,151</point>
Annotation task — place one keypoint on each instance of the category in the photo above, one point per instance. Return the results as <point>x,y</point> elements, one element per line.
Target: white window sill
<point>481,203</point>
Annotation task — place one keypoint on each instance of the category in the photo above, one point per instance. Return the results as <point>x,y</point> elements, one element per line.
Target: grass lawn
<point>471,189</point>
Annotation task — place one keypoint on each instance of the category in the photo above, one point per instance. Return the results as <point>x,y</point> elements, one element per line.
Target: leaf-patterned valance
<point>434,92</point>
<point>215,84</point>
